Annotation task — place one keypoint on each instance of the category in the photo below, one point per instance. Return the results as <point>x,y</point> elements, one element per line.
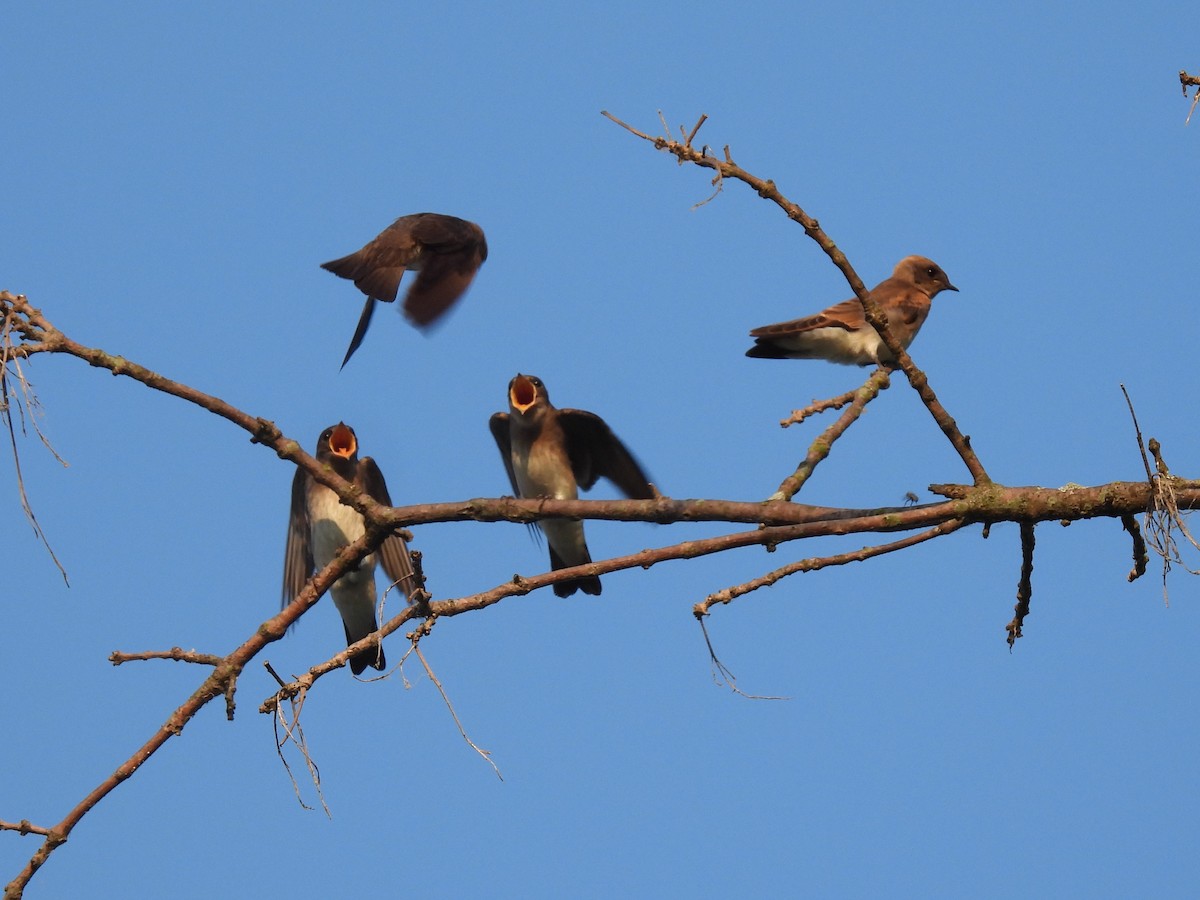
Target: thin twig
<point>24,827</point>
<point>486,754</point>
<point>292,731</point>
<point>721,673</point>
<point>820,448</point>
<point>817,407</point>
<point>1138,431</point>
<point>117,657</point>
<point>728,595</point>
<point>28,409</point>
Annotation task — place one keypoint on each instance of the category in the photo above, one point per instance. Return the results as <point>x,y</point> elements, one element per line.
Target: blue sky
<point>172,179</point>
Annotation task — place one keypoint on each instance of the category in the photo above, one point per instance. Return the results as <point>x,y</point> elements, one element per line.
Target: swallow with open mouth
<point>551,452</point>
<point>320,525</point>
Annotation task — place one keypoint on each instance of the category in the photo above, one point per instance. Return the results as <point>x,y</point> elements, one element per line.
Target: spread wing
<point>297,552</point>
<point>438,286</point>
<point>372,276</point>
<point>848,315</point>
<point>499,426</point>
<point>595,451</point>
<point>452,250</point>
<point>393,552</point>
<point>377,268</point>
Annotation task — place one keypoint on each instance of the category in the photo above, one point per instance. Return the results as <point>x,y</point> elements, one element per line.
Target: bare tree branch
<point>765,187</point>
<point>1162,497</point>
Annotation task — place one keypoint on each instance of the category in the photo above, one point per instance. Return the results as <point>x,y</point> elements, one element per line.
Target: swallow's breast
<point>545,471</point>
<point>334,525</point>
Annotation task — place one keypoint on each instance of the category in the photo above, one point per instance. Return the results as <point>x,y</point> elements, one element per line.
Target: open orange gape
<point>342,441</point>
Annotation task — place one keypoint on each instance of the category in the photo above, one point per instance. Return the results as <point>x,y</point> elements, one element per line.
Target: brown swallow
<point>551,452</point>
<point>841,334</point>
<point>445,252</point>
<point>320,525</point>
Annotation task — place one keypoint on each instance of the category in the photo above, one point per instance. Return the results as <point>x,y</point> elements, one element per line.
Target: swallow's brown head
<point>523,392</point>
<point>342,441</point>
<point>925,274</point>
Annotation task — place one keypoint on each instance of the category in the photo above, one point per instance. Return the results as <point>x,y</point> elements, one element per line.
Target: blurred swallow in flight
<point>320,525</point>
<point>841,334</point>
<point>551,452</point>
<point>445,252</point>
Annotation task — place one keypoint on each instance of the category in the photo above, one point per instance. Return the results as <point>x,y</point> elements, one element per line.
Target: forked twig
<point>293,732</point>
<point>28,409</point>
<point>721,673</point>
<point>821,447</point>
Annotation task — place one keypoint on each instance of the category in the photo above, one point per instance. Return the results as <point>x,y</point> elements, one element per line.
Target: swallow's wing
<point>906,311</point>
<point>499,426</point>
<point>297,553</point>
<point>848,315</point>
<point>377,268</point>
<point>595,451</point>
<point>452,250</point>
<point>393,552</point>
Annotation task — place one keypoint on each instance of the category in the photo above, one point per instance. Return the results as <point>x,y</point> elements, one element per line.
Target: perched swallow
<point>445,252</point>
<point>841,334</point>
<point>552,452</point>
<point>320,525</point>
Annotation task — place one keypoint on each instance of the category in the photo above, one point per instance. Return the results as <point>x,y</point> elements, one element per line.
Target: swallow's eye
<point>932,272</point>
